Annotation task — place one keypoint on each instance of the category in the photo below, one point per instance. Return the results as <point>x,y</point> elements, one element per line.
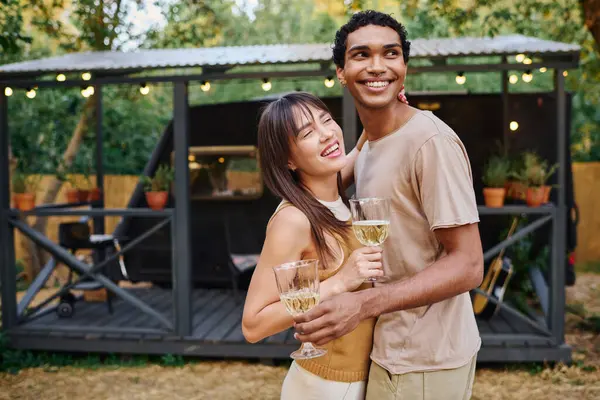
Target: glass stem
<point>308,346</point>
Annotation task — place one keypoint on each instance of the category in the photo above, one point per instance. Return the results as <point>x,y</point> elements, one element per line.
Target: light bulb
<point>527,61</point>
<point>87,91</point>
<point>513,79</point>
<point>565,73</point>
<point>61,77</point>
<point>329,82</point>
<point>205,87</point>
<point>144,89</point>
<point>543,69</point>
<point>86,76</point>
<point>527,77</point>
<point>30,93</point>
<point>266,85</point>
<point>520,57</point>
<point>8,91</point>
<point>461,78</point>
<point>514,125</point>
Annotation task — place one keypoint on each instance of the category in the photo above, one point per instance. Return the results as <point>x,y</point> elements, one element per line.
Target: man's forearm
<point>448,277</point>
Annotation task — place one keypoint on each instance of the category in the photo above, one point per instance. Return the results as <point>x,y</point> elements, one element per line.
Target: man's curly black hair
<point>365,18</point>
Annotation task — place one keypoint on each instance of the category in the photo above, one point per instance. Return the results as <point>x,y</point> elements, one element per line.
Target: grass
<point>12,361</point>
<point>592,267</point>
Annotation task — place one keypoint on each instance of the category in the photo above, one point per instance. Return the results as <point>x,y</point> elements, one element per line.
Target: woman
<point>303,162</point>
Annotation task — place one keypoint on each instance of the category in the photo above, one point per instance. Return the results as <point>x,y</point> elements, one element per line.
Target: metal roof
<point>275,54</point>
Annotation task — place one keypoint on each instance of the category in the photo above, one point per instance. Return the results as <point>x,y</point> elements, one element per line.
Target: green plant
<point>535,172</point>
<point>161,180</point>
<point>24,183</point>
<point>496,172</point>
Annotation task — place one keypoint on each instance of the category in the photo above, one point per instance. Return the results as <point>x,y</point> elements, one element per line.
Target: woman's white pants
<point>300,384</point>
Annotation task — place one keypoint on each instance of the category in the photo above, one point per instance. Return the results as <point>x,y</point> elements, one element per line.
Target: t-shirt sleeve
<point>444,184</point>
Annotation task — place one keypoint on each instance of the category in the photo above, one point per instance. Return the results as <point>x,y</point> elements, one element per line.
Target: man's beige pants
<point>450,384</point>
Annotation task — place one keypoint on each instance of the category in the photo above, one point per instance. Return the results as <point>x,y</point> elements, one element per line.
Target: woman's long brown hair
<point>276,129</point>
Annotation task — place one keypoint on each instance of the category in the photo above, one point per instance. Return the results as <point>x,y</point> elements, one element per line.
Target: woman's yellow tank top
<point>347,358</point>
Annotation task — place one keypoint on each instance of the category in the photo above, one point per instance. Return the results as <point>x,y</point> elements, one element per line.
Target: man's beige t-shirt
<point>425,171</point>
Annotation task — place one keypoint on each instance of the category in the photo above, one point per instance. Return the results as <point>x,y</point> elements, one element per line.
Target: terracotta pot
<point>515,190</point>
<point>83,195</point>
<point>72,196</point>
<point>156,200</point>
<point>94,194</point>
<point>494,197</point>
<point>535,196</point>
<point>24,201</point>
<point>547,193</point>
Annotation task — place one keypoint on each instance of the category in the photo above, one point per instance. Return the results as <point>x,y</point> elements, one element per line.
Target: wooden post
<point>8,271</point>
<point>180,224</point>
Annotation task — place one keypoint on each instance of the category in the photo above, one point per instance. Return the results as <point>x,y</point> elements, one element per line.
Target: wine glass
<point>298,285</point>
<point>371,223</point>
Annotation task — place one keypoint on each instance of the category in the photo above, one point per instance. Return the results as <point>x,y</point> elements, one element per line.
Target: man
<point>426,338</point>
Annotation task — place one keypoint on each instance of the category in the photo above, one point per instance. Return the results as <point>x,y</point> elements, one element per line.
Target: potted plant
<point>24,188</point>
<point>516,188</point>
<point>535,174</point>
<point>93,193</point>
<point>84,187</point>
<point>538,192</point>
<point>157,187</point>
<point>495,175</point>
<point>72,191</point>
<point>61,176</point>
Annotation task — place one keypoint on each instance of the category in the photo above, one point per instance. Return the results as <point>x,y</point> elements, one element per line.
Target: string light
<point>543,69</point>
<point>520,57</point>
<point>30,93</point>
<point>61,77</point>
<point>266,85</point>
<point>87,91</point>
<point>514,125</point>
<point>8,91</point>
<point>461,78</point>
<point>527,76</point>
<point>527,61</point>
<point>565,73</point>
<point>329,82</point>
<point>86,76</point>
<point>144,89</point>
<point>205,87</point>
<point>513,79</point>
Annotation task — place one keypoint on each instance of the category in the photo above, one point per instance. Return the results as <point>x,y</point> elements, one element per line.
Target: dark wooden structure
<point>194,316</point>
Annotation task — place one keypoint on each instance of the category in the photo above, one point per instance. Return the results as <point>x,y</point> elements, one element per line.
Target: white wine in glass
<point>371,223</point>
<point>298,285</point>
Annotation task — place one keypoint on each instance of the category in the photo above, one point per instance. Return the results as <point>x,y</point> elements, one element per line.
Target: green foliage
<point>40,129</point>
<point>170,360</point>
<point>496,172</point>
<point>24,183</point>
<point>535,172</point>
<point>161,181</point>
<point>13,37</point>
<point>524,257</point>
<point>12,360</point>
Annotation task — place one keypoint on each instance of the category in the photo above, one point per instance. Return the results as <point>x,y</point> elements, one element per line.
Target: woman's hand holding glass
<point>363,265</point>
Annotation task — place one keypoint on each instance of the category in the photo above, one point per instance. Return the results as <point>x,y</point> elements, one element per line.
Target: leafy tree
<point>11,26</point>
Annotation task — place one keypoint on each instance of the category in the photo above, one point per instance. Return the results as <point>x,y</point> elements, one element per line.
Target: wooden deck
<point>217,332</point>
